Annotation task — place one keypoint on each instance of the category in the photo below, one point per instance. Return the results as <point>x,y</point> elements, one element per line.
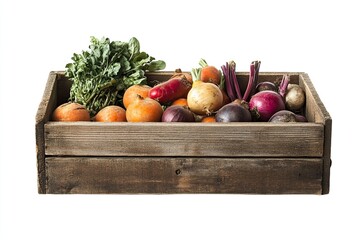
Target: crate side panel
<point>43,114</point>
<point>315,109</point>
<point>316,112</point>
<point>184,139</point>
<point>183,175</point>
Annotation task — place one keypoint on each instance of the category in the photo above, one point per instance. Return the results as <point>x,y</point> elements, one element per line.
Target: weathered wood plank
<point>42,116</point>
<point>316,112</point>
<point>183,157</point>
<point>184,175</point>
<point>327,156</point>
<point>184,139</point>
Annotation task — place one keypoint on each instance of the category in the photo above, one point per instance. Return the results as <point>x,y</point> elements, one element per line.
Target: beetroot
<point>236,111</point>
<point>170,90</point>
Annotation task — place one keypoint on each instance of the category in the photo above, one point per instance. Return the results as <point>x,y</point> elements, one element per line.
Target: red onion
<point>177,113</point>
<point>265,104</point>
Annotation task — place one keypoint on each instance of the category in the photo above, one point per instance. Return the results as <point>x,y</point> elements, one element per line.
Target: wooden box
<point>162,158</point>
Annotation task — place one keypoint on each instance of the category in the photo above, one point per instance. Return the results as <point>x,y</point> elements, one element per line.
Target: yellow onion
<point>204,98</point>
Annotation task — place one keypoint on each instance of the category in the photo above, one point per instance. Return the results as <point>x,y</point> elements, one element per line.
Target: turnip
<point>294,98</point>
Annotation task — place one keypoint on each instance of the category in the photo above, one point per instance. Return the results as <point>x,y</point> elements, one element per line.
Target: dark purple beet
<point>235,111</point>
<point>284,116</point>
<point>262,86</point>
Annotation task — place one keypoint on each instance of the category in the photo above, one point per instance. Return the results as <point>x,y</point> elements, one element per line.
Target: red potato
<point>170,90</point>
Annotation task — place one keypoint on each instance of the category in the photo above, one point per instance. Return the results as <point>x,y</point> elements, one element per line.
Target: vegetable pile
<point>109,84</point>
<point>101,75</point>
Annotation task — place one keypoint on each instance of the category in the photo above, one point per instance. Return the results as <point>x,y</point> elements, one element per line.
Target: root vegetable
<point>111,113</point>
<point>236,111</point>
<point>71,112</point>
<point>265,104</point>
<point>180,102</point>
<point>286,116</point>
<point>208,119</point>
<point>132,93</point>
<point>294,98</point>
<point>209,73</point>
<point>204,98</point>
<point>265,86</point>
<point>177,114</point>
<point>170,90</point>
<point>144,110</point>
<point>180,74</point>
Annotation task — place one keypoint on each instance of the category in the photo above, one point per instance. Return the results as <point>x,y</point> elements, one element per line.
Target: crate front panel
<point>184,139</point>
<point>183,175</point>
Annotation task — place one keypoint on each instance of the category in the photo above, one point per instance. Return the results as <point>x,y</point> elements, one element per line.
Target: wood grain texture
<point>184,139</point>
<point>87,157</point>
<point>316,112</point>
<point>42,116</point>
<point>183,175</point>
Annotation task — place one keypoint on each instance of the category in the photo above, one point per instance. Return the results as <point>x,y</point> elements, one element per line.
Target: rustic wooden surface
<point>317,112</point>
<point>183,175</point>
<point>184,139</point>
<point>251,158</point>
<point>43,115</point>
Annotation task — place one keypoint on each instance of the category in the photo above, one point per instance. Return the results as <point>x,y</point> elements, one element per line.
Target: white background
<point>321,39</point>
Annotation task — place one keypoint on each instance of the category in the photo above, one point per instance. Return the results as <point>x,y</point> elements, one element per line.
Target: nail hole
<point>177,171</point>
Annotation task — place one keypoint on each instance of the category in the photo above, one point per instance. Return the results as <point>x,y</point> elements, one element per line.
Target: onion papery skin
<point>204,98</point>
<point>177,114</point>
<point>265,104</point>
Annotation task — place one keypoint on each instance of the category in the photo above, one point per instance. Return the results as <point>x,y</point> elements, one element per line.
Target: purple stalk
<point>228,83</point>
<point>284,84</point>
<point>255,83</point>
<point>250,83</point>
<point>234,80</point>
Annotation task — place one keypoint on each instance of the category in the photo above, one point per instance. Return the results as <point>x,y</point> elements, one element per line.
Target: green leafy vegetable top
<point>101,75</point>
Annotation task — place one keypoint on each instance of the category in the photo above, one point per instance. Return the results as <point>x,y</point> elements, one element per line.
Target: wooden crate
<point>252,157</point>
